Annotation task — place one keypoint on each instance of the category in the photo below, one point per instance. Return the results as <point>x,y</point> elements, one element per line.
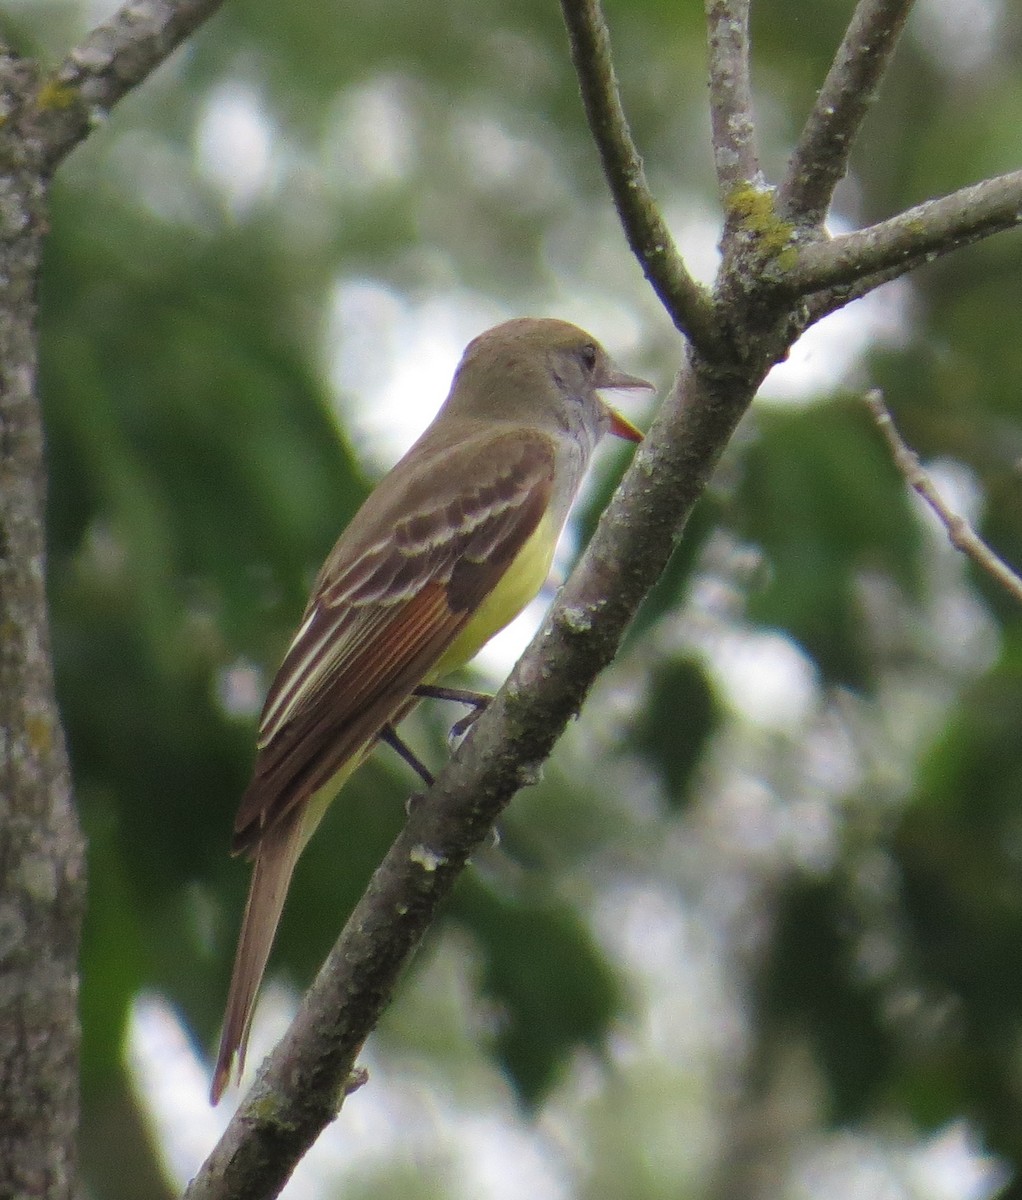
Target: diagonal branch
<point>116,56</point>
<point>303,1083</point>
<point>820,158</point>
<point>822,304</point>
<point>960,533</point>
<point>735,151</point>
<point>688,304</point>
<point>919,234</point>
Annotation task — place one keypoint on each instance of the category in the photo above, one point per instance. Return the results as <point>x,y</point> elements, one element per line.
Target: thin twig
<point>115,57</point>
<point>688,304</point>
<point>735,149</point>
<point>822,304</point>
<point>960,533</point>
<point>919,234</point>
<point>820,158</point>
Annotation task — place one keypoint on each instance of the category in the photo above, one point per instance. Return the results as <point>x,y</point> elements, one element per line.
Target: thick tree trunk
<point>41,851</point>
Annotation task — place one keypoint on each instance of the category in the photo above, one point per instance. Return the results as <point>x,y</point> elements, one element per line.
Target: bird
<point>446,550</point>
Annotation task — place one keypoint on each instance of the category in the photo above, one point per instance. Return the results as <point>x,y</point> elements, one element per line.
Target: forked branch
<point>116,56</point>
<point>920,234</point>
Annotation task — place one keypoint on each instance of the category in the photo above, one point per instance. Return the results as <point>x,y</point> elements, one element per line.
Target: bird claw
<point>465,723</point>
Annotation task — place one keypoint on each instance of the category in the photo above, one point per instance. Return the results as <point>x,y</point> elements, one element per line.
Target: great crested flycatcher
<point>449,547</point>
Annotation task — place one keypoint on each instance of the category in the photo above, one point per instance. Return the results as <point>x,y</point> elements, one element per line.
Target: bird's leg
<point>389,735</point>
<point>476,701</point>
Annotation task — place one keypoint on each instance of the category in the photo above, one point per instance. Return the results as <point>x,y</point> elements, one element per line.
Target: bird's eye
<point>588,356</point>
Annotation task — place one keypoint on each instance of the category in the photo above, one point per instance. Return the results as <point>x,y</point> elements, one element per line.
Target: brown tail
<point>275,861</point>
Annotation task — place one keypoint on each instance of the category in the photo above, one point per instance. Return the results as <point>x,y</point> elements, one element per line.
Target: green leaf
<point>554,989</point>
<point>807,990</point>
<point>680,715</point>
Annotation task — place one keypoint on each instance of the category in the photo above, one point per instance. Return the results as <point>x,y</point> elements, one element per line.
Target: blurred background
<point>758,931</point>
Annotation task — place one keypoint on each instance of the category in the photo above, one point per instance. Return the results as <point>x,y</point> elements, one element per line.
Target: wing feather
<point>383,613</point>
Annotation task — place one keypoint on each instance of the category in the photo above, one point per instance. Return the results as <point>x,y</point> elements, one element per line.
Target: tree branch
<point>960,533</point>
<point>919,234</point>
<point>688,304</point>
<point>735,151</point>
<point>41,849</point>
<point>822,304</point>
<point>298,1089</point>
<point>820,158</point>
<point>115,57</point>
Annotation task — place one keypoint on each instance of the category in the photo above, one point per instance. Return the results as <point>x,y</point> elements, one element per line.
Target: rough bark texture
<point>41,851</point>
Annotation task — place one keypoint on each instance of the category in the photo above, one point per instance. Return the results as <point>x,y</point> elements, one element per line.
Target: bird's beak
<point>617,379</point>
<point>623,428</point>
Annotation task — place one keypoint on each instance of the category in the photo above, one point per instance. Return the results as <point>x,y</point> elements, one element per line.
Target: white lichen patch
<point>426,858</point>
<point>576,620</point>
<point>37,877</point>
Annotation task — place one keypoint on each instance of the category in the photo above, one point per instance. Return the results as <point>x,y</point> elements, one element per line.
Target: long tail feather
<point>274,864</point>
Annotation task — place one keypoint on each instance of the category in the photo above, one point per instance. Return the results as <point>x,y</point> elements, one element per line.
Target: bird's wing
<point>382,617</point>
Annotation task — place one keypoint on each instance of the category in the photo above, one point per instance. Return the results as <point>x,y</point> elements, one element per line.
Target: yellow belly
<point>520,584</point>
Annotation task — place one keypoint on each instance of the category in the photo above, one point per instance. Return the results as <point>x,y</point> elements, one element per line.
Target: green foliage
<point>680,714</point>
<point>547,979</point>
<point>959,850</point>
<point>808,991</point>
